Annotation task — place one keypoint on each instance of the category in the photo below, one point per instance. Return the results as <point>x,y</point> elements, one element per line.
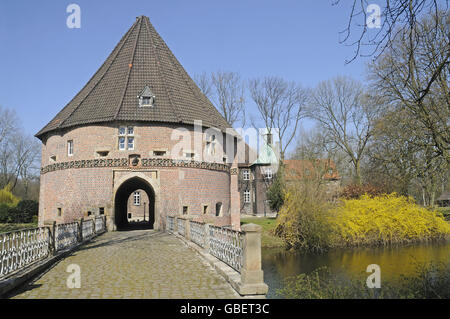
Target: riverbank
<point>268,239</point>
<point>281,267</point>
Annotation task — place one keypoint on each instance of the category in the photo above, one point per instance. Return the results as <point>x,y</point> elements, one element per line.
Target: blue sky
<point>44,64</point>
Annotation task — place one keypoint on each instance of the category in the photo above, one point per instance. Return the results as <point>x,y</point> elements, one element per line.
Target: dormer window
<point>146,98</point>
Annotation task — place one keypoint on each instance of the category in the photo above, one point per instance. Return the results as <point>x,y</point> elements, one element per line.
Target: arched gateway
<point>125,188</point>
<point>117,135</point>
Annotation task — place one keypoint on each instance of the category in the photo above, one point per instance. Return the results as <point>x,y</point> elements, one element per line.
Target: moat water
<point>279,264</point>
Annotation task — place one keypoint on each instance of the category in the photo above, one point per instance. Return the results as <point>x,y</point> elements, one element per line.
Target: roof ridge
<point>119,49</point>
<point>133,54</point>
<point>158,66</point>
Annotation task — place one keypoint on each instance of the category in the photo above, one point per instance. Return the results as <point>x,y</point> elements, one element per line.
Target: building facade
<point>139,125</point>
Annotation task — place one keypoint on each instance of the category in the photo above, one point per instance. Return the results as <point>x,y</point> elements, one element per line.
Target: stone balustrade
<point>240,250</point>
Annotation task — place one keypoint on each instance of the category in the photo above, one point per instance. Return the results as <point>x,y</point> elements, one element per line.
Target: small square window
<point>146,100</point>
<point>101,211</point>
<point>185,210</point>
<point>190,155</point>
<point>102,153</point>
<point>130,130</point>
<point>159,153</point>
<point>122,130</point>
<point>246,175</point>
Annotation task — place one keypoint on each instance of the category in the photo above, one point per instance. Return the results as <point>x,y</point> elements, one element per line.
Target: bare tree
<point>315,144</point>
<point>346,114</point>
<point>400,155</point>
<point>19,153</point>
<point>226,90</point>
<point>414,72</point>
<point>280,105</point>
<point>204,83</point>
<point>395,17</point>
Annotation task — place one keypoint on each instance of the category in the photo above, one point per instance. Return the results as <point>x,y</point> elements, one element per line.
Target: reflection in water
<point>279,264</point>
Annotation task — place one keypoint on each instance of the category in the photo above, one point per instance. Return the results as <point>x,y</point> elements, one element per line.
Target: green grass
<point>4,228</point>
<point>268,240</point>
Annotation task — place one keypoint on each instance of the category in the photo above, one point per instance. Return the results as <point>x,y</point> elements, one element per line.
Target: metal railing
<point>66,235</point>
<point>170,226</point>
<point>181,227</point>
<point>197,233</point>
<point>227,245</point>
<point>87,229</point>
<point>100,225</point>
<point>223,243</point>
<point>22,248</point>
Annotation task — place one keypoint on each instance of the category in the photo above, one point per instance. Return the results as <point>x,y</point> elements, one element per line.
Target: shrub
<point>355,191</point>
<point>7,197</point>
<point>385,220</point>
<point>302,222</point>
<point>27,210</point>
<point>4,213</point>
<point>307,221</point>
<point>276,191</point>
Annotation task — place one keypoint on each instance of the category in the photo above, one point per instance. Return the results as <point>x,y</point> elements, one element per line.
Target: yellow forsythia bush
<point>7,197</point>
<point>384,220</point>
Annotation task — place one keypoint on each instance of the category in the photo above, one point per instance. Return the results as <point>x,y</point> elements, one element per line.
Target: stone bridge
<point>189,261</point>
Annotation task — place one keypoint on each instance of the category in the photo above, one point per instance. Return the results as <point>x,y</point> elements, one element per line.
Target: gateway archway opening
<point>134,205</point>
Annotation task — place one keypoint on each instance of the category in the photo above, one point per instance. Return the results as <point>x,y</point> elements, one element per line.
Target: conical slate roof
<point>141,59</point>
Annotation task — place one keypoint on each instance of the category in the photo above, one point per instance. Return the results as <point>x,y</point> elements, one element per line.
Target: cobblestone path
<point>133,264</point>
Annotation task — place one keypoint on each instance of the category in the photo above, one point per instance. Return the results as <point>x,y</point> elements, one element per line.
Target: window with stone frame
<point>137,198</point>
<point>268,174</point>
<point>246,174</point>
<point>247,196</point>
<point>211,145</point>
<point>126,138</point>
<point>70,148</point>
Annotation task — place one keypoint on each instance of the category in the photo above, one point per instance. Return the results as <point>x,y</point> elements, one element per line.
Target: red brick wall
<point>78,190</point>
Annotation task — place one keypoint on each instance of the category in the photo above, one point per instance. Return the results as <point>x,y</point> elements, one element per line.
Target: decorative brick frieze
<point>146,162</point>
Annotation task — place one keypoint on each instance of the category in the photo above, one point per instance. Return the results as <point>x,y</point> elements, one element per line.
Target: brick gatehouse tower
<point>121,135</point>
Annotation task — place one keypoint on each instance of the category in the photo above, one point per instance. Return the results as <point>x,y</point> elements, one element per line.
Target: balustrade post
<point>187,229</point>
<point>252,278</point>
<point>51,225</point>
<point>80,227</point>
